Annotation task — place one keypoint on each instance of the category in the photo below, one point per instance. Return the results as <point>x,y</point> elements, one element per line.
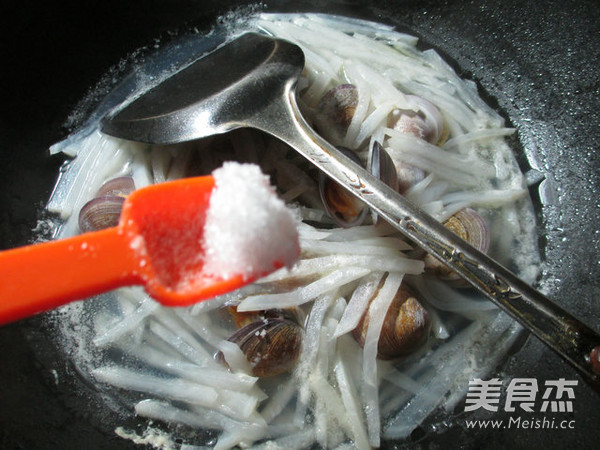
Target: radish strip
<point>126,324</point>
<point>358,304</point>
<point>304,294</point>
<point>377,312</point>
<point>351,405</point>
<point>235,358</point>
<point>173,389</point>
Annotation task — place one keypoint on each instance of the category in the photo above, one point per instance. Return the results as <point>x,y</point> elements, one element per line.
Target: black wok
<point>537,63</point>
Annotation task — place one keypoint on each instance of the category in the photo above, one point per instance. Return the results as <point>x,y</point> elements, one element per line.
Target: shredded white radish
<point>358,304</point>
<point>192,353</point>
<point>235,358</point>
<point>376,315</point>
<point>173,389</point>
<point>127,323</point>
<point>304,294</point>
<point>352,406</point>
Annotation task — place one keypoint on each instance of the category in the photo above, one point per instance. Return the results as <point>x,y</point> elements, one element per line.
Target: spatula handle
<point>41,277</point>
<point>576,342</point>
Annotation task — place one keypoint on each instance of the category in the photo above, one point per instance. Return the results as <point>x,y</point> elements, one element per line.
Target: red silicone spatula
<point>158,244</point>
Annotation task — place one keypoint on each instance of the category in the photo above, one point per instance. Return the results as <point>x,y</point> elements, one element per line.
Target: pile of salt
<point>248,229</point>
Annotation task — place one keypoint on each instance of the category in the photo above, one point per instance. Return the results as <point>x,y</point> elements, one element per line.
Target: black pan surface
<point>537,62</point>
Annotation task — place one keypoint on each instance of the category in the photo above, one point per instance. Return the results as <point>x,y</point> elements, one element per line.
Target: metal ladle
<point>250,82</point>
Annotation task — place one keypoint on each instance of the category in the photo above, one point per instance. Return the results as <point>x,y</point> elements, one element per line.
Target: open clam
<point>382,165</point>
<point>343,207</point>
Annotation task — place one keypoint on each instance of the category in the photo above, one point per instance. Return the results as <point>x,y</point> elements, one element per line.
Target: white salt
<point>248,230</point>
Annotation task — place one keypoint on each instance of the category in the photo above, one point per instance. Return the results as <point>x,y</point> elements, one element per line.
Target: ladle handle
<point>569,337</point>
<point>40,277</point>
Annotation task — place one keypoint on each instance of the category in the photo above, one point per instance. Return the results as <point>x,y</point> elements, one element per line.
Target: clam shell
<point>397,174</point>
<point>118,187</point>
<point>469,225</point>
<point>100,212</point>
<point>405,327</point>
<point>342,206</point>
<point>425,121</point>
<point>408,175</point>
<point>335,112</point>
<point>382,166</point>
<point>243,318</point>
<point>271,345</point>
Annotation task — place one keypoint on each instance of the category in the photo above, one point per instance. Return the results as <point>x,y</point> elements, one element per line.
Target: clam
<point>100,212</point>
<point>119,187</point>
<point>382,166</point>
<point>469,225</point>
<point>271,345</point>
<point>104,210</point>
<point>335,111</point>
<point>408,175</point>
<point>395,173</point>
<point>243,318</point>
<point>343,207</point>
<point>405,327</point>
<point>425,121</point>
